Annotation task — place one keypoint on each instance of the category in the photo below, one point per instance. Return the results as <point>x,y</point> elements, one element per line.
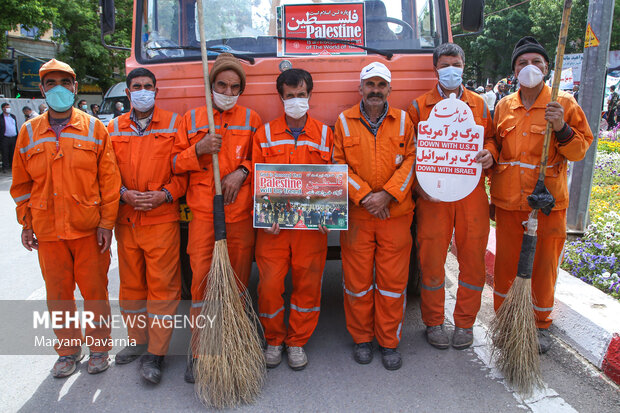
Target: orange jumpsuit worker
<point>377,142</point>
<point>468,217</point>
<point>147,227</point>
<point>65,184</point>
<point>520,122</point>
<point>295,138</point>
<point>235,126</point>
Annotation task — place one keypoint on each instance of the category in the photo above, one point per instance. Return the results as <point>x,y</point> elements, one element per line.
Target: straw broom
<point>513,331</point>
<point>230,365</point>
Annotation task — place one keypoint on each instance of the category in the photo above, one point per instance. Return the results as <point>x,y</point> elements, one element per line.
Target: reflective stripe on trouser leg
<point>434,232</point>
<point>392,273</point>
<point>551,236</point>
<point>272,259</point>
<point>200,249</point>
<point>133,287</point>
<point>67,263</point>
<point>358,251</point>
<point>308,254</point>
<point>471,232</point>
<point>163,275</point>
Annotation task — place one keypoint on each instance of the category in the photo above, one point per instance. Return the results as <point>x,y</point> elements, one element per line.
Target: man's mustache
<point>375,95</point>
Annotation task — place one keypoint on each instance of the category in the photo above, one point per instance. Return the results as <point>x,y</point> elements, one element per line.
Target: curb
<point>583,316</point>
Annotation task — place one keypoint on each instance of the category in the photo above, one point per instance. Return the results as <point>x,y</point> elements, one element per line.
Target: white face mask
<point>530,76</point>
<point>7,110</point>
<point>143,100</point>
<point>224,102</point>
<point>296,107</point>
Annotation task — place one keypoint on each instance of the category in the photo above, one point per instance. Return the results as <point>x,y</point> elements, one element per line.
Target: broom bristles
<point>515,339</point>
<point>230,365</point>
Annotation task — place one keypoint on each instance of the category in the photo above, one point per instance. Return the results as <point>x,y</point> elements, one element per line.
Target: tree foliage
<point>488,54</point>
<point>31,13</point>
<point>80,35</point>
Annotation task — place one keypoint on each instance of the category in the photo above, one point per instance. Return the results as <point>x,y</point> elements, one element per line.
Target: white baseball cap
<point>376,69</point>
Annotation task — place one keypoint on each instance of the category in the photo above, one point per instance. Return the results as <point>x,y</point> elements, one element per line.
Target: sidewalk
<point>583,317</point>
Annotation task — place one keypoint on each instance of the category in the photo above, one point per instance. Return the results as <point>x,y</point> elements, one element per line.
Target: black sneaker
<point>391,358</point>
<point>151,367</point>
<point>189,371</point>
<point>363,353</point>
<point>130,353</point>
<point>544,340</point>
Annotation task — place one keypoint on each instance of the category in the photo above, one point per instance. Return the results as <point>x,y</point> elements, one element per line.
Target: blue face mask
<point>450,77</point>
<point>59,98</point>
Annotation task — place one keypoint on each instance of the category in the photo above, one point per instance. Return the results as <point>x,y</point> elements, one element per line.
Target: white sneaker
<point>273,356</point>
<point>297,359</point>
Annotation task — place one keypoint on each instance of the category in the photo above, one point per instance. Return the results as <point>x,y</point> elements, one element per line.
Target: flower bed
<point>595,258</point>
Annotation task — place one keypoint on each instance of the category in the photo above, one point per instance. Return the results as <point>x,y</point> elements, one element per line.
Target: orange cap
<point>55,66</point>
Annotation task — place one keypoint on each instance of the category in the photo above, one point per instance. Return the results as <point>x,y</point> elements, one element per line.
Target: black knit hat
<point>528,45</point>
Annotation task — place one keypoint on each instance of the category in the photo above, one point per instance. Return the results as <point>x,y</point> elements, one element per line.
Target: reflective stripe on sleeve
<point>345,127</point>
<point>30,134</point>
<point>417,107</point>
<point>403,117</point>
<point>409,175</point>
<point>354,184</point>
<point>21,198</point>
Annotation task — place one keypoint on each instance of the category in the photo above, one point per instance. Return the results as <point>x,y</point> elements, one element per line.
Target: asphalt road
<point>430,380</point>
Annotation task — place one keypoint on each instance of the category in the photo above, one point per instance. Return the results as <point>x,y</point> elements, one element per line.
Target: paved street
<point>430,380</point>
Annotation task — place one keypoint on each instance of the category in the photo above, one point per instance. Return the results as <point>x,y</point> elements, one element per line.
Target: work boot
<point>297,359</point>
<point>189,370</point>
<point>130,353</point>
<point>273,356</point>
<point>98,362</point>
<point>437,337</point>
<point>151,367</point>
<point>66,365</point>
<point>391,358</point>
<point>363,353</point>
<point>462,338</point>
<point>544,340</point>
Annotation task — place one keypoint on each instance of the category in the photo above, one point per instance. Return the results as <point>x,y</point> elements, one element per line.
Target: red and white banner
<point>306,22</point>
<point>446,149</point>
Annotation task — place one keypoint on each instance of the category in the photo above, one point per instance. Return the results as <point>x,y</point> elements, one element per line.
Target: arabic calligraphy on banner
<point>307,25</point>
<point>446,149</point>
<point>301,196</point>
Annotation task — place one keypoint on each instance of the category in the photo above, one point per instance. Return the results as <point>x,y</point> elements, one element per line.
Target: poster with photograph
<point>310,27</point>
<point>301,196</point>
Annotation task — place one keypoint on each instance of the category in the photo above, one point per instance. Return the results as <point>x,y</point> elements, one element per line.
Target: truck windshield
<point>167,30</point>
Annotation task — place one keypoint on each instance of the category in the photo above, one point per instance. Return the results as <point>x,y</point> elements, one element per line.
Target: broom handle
<point>205,75</point>
<point>557,75</point>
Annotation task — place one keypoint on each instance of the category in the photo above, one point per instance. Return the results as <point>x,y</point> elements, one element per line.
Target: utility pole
<point>591,93</point>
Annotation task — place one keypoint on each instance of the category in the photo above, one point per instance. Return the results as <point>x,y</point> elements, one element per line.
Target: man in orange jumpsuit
<point>468,217</point>
<point>520,122</point>
<point>235,126</point>
<point>377,142</point>
<point>147,227</point>
<point>295,138</point>
<point>65,184</point>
